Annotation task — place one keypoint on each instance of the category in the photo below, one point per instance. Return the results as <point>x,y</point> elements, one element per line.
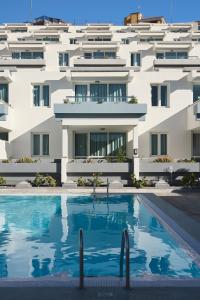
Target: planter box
<point>79,167</point>
<point>24,168</point>
<point>154,167</point>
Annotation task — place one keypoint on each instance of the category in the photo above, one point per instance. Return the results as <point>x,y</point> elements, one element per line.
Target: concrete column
<point>65,154</point>
<point>136,164</point>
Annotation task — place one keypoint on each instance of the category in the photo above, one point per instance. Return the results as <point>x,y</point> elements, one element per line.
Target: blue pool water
<point>39,237</point>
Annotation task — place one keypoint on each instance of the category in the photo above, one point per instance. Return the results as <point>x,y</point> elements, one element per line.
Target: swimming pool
<point>39,237</point>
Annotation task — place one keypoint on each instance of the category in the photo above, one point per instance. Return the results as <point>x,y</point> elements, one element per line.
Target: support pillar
<point>136,163</point>
<point>65,154</point>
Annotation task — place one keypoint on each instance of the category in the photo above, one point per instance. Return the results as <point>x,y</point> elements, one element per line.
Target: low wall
<point>154,167</point>
<point>93,167</point>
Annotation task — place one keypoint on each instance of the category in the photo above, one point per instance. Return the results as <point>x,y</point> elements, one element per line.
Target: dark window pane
<point>45,144</point>
<point>98,144</point>
<point>163,144</point>
<point>36,144</point>
<point>154,144</point>
<point>163,95</point>
<point>154,95</point>
<point>196,92</point>
<point>81,144</point>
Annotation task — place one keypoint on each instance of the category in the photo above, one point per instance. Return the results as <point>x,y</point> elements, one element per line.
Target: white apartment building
<point>65,92</point>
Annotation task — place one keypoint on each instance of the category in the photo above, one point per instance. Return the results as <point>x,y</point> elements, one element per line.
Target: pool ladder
<point>107,188</point>
<point>124,246</point>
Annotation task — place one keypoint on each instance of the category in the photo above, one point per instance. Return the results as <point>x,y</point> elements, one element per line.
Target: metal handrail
<point>125,245</point>
<point>81,260</point>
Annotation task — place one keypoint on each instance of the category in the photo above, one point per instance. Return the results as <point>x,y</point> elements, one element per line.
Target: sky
<point>91,11</point>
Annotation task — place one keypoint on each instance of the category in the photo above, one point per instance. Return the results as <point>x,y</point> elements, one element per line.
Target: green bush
<point>121,156</point>
<point>81,181</point>
<point>6,161</point>
<point>138,183</point>
<point>186,160</point>
<point>163,159</point>
<point>133,100</point>
<point>96,180</point>
<point>25,160</point>
<point>2,181</point>
<point>41,180</point>
<point>189,179</point>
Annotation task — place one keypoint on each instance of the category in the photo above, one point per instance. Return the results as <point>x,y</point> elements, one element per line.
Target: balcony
<point>93,62</point>
<point>193,116</point>
<point>191,61</point>
<point>7,61</point>
<point>99,108</point>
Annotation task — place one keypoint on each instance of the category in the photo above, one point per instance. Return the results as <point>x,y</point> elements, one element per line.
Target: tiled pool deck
<point>189,225</point>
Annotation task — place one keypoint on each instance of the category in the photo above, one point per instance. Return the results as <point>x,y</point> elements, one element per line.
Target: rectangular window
<point>80,93</point>
<point>117,142</point>
<point>4,136</point>
<point>159,95</point>
<point>40,144</point>
<point>154,95</point>
<point>158,144</point>
<point>41,95</point>
<point>4,92</point>
<point>196,92</point>
<point>98,92</point>
<point>135,59</point>
<point>27,55</point>
<point>98,144</point>
<point>81,144</point>
<point>172,55</point>
<point>63,59</point>
<point>117,92</point>
<point>196,144</point>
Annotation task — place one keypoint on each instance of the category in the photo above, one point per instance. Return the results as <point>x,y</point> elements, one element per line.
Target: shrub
<point>133,100</point>
<point>66,101</point>
<point>2,181</point>
<point>121,156</point>
<point>186,160</point>
<point>41,180</point>
<point>163,159</point>
<point>81,181</point>
<point>6,161</point>
<point>25,160</point>
<point>189,179</point>
<point>138,183</point>
<point>96,180</point>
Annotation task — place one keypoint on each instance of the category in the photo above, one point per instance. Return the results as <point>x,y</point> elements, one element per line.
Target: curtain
<point>45,144</point>
<point>154,144</point>
<point>36,95</point>
<point>117,141</point>
<point>81,93</point>
<point>163,95</point>
<point>98,144</point>
<point>98,92</point>
<point>46,95</point>
<point>81,144</point>
<point>163,144</point>
<point>36,144</point>
<point>117,92</point>
<point>4,92</point>
<point>196,144</point>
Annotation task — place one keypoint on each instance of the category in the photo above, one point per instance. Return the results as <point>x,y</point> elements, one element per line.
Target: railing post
<point>125,244</point>
<point>81,263</point>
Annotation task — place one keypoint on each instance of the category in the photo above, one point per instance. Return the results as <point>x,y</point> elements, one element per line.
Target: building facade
<point>88,95</point>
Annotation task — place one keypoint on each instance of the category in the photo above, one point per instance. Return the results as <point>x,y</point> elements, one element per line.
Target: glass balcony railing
<point>99,99</point>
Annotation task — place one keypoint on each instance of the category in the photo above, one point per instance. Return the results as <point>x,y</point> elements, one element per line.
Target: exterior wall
<point>27,119</point>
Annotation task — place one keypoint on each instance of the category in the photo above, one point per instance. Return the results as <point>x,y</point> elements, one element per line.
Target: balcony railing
<point>95,99</point>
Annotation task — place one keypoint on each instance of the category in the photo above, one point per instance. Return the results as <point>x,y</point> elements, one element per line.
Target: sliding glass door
<point>98,144</point>
<point>98,92</point>
<point>81,144</point>
<point>117,142</point>
<point>117,92</point>
<point>80,93</point>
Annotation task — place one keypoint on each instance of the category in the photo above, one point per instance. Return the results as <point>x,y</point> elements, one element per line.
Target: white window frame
<point>159,144</point>
<point>41,143</point>
<point>63,52</point>
<point>41,96</point>
<point>159,95</point>
<point>135,60</point>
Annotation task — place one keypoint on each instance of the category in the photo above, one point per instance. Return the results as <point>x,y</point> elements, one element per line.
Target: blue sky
<point>82,11</point>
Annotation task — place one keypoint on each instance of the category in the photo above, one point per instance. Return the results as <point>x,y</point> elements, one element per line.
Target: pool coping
<point>62,280</point>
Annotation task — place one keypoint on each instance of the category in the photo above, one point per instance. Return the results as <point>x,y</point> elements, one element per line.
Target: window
<point>172,55</point>
<point>98,144</point>
<point>41,95</point>
<point>100,55</point>
<point>196,92</point>
<point>80,93</point>
<point>81,144</point>
<point>125,41</point>
<point>40,144</point>
<point>158,144</point>
<point>117,142</point>
<point>196,144</point>
<point>27,55</point>
<point>135,60</point>
<point>4,136</point>
<point>159,95</point>
<point>73,41</point>
<point>4,92</point>
<point>63,59</point>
